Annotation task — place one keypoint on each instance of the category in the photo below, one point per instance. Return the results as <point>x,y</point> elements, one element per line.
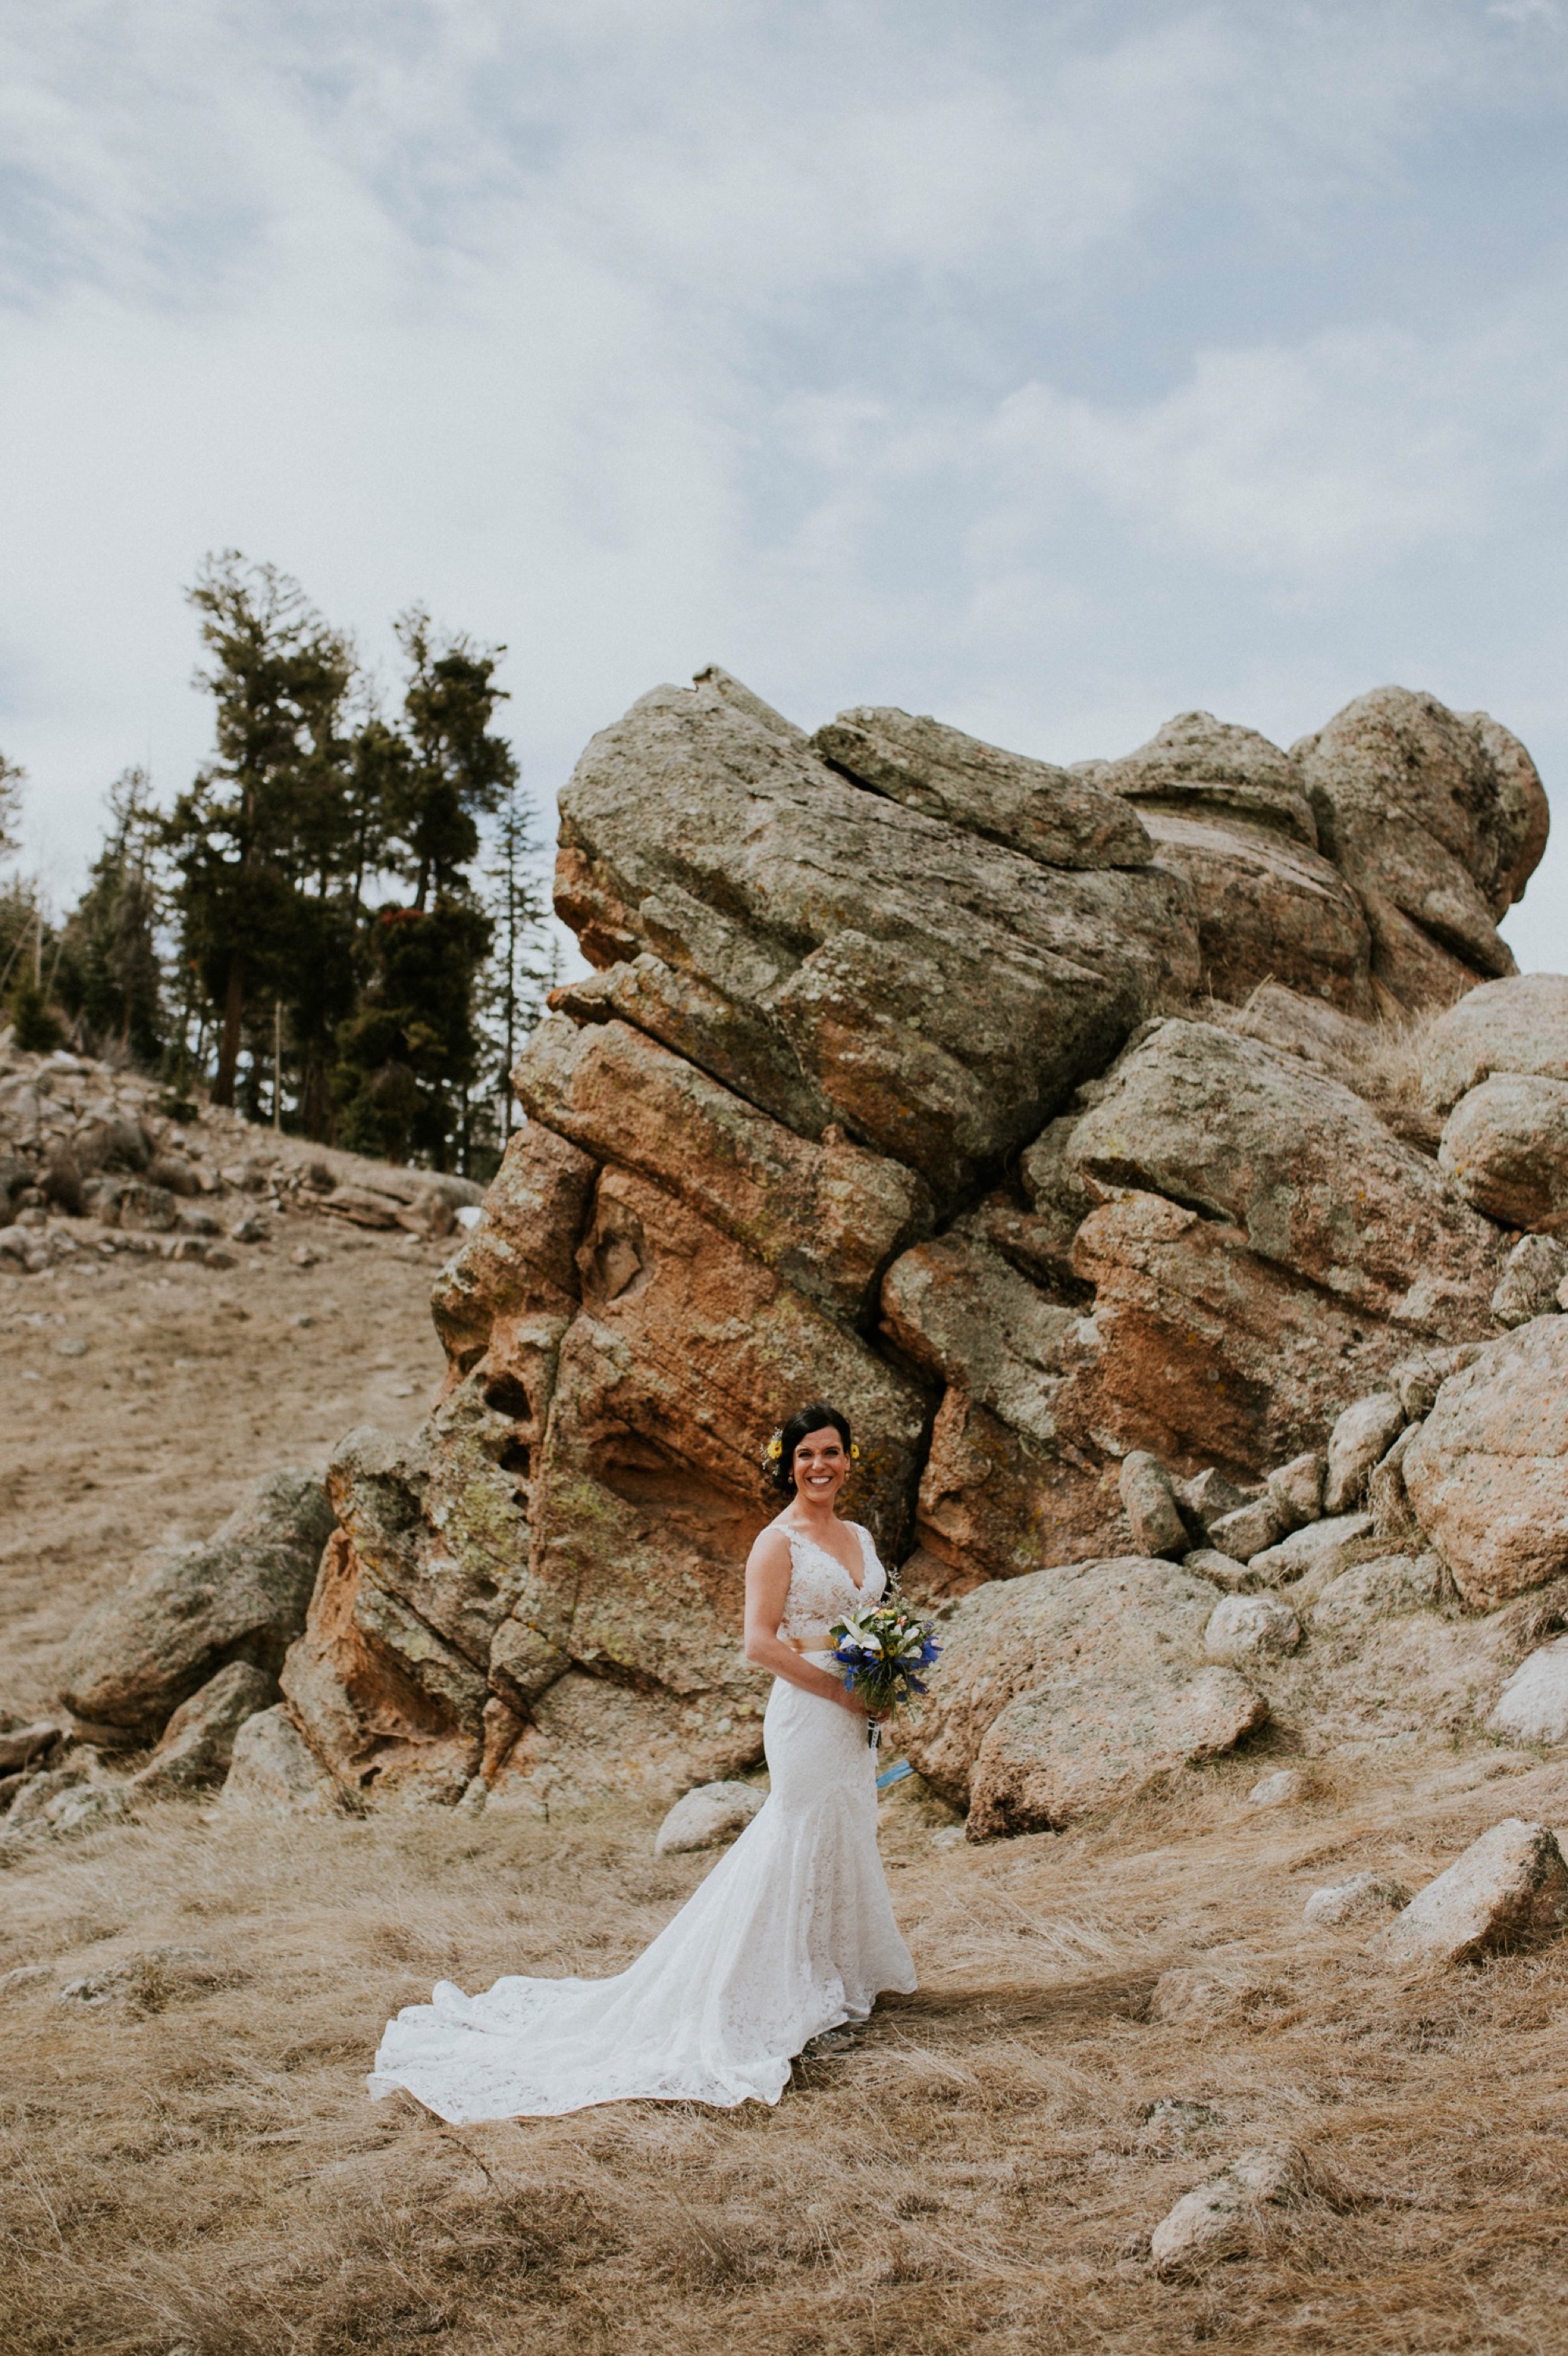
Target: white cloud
<point>1050,368</point>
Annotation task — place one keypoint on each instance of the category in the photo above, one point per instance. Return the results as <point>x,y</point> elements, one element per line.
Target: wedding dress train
<point>791,1934</point>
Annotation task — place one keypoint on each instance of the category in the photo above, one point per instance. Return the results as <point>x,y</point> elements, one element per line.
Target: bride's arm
<point>768,1572</point>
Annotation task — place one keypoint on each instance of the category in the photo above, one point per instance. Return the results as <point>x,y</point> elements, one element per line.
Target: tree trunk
<point>228,1045</point>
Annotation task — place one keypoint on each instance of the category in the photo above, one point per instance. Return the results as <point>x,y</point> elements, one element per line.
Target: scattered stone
<point>1246,1630</point>
<point>1510,1888</point>
<point>250,1228</point>
<point>1295,1492</point>
<point>1383,1589</point>
<point>1487,1473</point>
<point>275,1772</point>
<point>23,1977</point>
<point>1172,2123</point>
<point>1531,1275</point>
<point>1393,1516</point>
<point>1517,1026</point>
<point>1362,1898</point>
<point>147,1979</point>
<point>20,1745</point>
<point>1209,1497</point>
<point>1149,1501</point>
<point>712,1814</point>
<point>1247,1532</point>
<point>1533,1705</point>
<point>198,1743</point>
<point>1219,2218</point>
<point>239,1594</point>
<point>71,1345</point>
<point>1506,1147</point>
<point>1360,1439</point>
<point>303,1257</point>
<point>1283,1789</point>
<point>1315,1552</point>
<point>1223,1569</point>
<point>143,1210</point>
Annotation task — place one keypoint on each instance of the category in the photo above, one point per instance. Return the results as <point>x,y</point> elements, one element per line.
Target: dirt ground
<point>139,1398</point>
<point>190,2164</point>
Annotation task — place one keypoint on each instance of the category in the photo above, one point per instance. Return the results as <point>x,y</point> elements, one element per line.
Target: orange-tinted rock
<point>1506,1146</point>
<point>1517,1025</point>
<point>687,1353</point>
<point>1208,1352</point>
<point>994,1504</point>
<point>1268,910</point>
<point>827,1217</point>
<point>1198,765</point>
<point>520,1255</point>
<point>1488,1472</point>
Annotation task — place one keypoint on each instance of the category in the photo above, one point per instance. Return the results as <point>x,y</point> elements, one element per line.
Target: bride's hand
<point>858,1708</point>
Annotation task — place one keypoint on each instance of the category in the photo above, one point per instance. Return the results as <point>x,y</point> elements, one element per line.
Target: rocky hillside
<point>1158,1160</point>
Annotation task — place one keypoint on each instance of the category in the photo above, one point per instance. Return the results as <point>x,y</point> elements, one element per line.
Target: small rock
<point>70,1347</point>
<point>1393,1516</point>
<point>949,1837</point>
<point>275,1773</point>
<point>1149,1501</point>
<point>1283,1789</point>
<point>1531,1274</point>
<point>1385,1589</point>
<point>302,1256</point>
<point>1361,1438</point>
<point>1209,1497</point>
<point>1295,1492</point>
<point>704,1818</point>
<point>1248,1629</point>
<point>1248,1531</point>
<point>23,1977</point>
<point>1510,1888</point>
<point>1217,2219</point>
<point>1359,1900</point>
<point>144,1979</point>
<point>1416,1380</point>
<point>1171,2124</point>
<point>220,1255</point>
<point>249,1229</point>
<point>1315,1552</point>
<point>198,1743</point>
<point>1222,1569</point>
<point>20,1745</point>
<point>1533,1705</point>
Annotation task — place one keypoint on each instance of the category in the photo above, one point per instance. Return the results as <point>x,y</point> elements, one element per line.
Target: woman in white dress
<point>790,1935</point>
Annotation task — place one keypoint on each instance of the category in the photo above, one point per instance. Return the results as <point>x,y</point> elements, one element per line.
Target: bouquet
<point>882,1649</point>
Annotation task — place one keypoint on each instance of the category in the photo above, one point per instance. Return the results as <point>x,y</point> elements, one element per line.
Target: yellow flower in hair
<point>775,1448</point>
<point>854,1450</point>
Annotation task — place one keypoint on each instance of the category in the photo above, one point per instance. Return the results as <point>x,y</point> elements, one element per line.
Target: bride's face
<point>822,1466</point>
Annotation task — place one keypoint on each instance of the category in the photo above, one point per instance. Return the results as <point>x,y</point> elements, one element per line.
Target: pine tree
<point>110,975</point>
<point>262,833</point>
<point>526,961</point>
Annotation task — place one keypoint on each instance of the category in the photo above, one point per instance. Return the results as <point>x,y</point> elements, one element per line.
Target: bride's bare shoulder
<point>770,1549</point>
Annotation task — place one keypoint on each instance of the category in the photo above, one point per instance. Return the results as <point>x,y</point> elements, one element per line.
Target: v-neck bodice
<point>821,1588</point>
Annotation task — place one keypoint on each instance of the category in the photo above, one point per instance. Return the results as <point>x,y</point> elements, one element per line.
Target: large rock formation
<point>1035,1116</point>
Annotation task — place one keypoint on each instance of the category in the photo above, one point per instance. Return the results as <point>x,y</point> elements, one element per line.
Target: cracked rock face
<point>914,1074</point>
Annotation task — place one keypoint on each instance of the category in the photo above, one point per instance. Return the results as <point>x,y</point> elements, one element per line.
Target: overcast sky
<point>1048,367</point>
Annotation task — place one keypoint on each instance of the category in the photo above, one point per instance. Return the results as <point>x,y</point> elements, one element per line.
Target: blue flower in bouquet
<point>882,1648</point>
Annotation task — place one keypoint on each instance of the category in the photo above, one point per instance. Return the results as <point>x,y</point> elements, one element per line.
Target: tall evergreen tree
<point>525,963</point>
<point>12,777</point>
<point>110,975</point>
<point>409,1071</point>
<point>262,832</point>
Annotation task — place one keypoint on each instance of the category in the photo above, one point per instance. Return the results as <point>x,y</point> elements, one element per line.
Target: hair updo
<point>779,1471</point>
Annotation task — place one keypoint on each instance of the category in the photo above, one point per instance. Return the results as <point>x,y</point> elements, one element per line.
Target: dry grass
<point>195,2165</point>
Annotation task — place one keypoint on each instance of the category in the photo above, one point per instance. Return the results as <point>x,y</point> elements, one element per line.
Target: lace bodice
<point>820,1590</point>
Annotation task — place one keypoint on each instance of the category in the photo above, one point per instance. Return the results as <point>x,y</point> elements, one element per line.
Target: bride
<point>791,1934</point>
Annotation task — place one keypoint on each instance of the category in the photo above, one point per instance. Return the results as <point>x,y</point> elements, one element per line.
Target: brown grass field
<point>192,2165</point>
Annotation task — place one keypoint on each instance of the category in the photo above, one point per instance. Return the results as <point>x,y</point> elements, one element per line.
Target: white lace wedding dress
<point>791,1933</point>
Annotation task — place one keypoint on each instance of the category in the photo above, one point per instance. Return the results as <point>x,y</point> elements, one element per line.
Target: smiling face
<point>820,1466</point>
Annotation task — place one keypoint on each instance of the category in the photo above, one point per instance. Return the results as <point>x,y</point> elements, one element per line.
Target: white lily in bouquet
<point>882,1648</point>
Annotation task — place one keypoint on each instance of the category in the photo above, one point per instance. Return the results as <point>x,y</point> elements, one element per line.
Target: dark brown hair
<point>817,1417</point>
